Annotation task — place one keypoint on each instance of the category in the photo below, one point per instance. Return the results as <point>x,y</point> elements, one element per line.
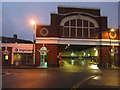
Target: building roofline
<point>12,38</point>
<point>78,7</point>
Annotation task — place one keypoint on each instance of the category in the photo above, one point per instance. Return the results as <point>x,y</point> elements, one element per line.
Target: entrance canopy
<point>43,49</point>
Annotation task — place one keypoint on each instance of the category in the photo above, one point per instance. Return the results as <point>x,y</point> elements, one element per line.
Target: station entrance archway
<point>76,54</point>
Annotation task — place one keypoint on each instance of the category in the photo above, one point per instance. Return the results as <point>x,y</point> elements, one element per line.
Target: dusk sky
<point>16,16</point>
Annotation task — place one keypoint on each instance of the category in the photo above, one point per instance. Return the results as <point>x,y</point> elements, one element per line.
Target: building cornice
<point>74,41</point>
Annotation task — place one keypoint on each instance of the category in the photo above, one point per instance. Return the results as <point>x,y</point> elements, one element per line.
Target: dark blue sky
<point>16,16</point>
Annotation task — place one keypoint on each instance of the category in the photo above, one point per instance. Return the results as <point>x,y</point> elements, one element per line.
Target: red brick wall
<point>105,58</point>
<point>51,55</point>
<point>52,31</point>
<point>37,55</point>
<point>105,55</point>
<point>117,56</point>
<point>63,10</point>
<point>57,18</point>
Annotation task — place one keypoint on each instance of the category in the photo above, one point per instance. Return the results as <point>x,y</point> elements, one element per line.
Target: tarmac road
<point>67,76</point>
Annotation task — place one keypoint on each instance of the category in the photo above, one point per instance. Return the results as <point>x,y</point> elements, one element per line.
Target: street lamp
<point>112,30</point>
<point>34,24</point>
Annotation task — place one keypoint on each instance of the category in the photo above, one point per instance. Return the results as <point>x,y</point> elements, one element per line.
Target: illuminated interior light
<point>72,54</point>
<point>72,62</point>
<point>19,57</point>
<point>88,54</point>
<point>82,63</point>
<point>6,57</point>
<point>84,54</point>
<point>95,49</point>
<point>94,67</point>
<point>96,53</point>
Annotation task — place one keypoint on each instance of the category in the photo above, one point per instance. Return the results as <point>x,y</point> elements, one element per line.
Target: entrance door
<point>6,59</point>
<point>43,59</point>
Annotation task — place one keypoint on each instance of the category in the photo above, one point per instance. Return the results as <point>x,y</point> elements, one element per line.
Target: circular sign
<point>44,32</point>
<point>112,34</point>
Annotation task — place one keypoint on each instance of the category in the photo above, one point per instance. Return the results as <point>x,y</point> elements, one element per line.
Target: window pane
<point>79,22</point>
<point>73,32</point>
<point>92,33</point>
<point>85,31</point>
<point>79,32</point>
<point>85,23</point>
<point>66,23</point>
<point>66,31</point>
<point>91,24</point>
<point>73,22</point>
<point>96,32</point>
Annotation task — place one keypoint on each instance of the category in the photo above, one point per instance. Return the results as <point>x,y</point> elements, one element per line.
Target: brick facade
<point>55,29</point>
<point>77,23</point>
<point>51,55</point>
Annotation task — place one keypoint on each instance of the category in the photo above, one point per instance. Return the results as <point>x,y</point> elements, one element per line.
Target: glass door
<point>43,59</point>
<point>6,59</point>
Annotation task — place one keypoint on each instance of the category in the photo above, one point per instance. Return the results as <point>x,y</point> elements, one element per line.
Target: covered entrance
<point>43,57</point>
<point>78,54</point>
<point>6,56</point>
<point>6,59</point>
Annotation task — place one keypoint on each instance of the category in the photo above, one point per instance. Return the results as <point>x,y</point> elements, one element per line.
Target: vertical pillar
<point>100,56</point>
<point>105,56</point>
<point>118,56</point>
<point>52,55</point>
<point>12,58</point>
<point>37,55</point>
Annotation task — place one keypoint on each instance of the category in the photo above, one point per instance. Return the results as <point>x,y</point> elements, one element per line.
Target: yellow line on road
<point>79,83</point>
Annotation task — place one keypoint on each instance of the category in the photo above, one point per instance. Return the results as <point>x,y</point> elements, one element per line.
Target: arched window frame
<point>76,17</point>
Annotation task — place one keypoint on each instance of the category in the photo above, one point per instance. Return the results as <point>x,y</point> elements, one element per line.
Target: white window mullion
<point>88,29</point>
<point>63,31</point>
<point>82,29</point>
<point>69,28</point>
<point>76,27</point>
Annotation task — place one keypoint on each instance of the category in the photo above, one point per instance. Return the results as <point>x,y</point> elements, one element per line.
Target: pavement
<point>109,78</point>
<point>18,67</point>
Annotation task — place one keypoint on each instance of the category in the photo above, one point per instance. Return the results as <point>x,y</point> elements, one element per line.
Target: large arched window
<point>79,26</point>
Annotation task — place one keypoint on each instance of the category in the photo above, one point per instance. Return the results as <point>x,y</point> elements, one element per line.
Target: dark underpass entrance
<point>78,54</point>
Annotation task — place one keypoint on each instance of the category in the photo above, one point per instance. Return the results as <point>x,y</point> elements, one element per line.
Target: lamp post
<point>33,51</point>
